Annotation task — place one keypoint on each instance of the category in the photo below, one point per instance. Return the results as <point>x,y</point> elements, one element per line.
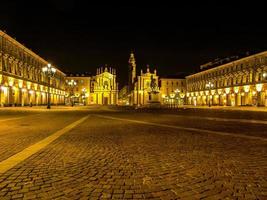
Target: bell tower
<point>132,70</point>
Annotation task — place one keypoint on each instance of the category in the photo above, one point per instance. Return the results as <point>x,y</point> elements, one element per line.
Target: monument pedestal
<point>154,100</point>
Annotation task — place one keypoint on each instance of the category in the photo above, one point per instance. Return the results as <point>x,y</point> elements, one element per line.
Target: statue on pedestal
<point>153,93</point>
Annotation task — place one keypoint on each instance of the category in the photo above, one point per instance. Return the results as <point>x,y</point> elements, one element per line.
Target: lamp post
<point>49,71</point>
<point>72,83</point>
<point>177,96</point>
<point>209,85</point>
<point>83,96</point>
<point>172,99</point>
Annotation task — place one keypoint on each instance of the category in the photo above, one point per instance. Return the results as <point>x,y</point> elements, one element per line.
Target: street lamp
<point>177,92</point>
<point>172,99</point>
<point>49,71</point>
<point>83,95</point>
<point>72,83</point>
<point>209,85</point>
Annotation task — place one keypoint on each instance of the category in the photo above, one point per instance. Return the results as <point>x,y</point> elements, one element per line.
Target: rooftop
<point>220,61</point>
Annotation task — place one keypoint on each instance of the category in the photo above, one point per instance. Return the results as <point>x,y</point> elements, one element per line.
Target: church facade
<point>85,89</point>
<point>142,89</point>
<point>104,87</point>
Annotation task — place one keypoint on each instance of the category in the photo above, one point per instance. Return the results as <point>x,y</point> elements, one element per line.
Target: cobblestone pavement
<point>24,129</point>
<point>111,159</point>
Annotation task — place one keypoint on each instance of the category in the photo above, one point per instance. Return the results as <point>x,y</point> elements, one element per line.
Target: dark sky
<point>172,38</point>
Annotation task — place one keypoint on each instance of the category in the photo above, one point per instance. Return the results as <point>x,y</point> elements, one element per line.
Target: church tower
<point>132,70</point>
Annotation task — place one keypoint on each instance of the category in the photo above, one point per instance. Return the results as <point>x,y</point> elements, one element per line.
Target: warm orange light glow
<point>236,89</point>
<point>20,83</point>
<point>227,90</point>
<point>259,87</point>
<point>29,85</point>
<point>246,88</point>
<point>10,83</point>
<point>4,89</point>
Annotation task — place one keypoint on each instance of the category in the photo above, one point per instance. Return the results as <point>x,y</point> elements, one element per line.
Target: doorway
<point>105,101</point>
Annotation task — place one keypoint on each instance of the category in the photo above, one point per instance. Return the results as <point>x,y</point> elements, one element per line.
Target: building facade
<point>242,82</point>
<point>78,89</point>
<point>172,90</point>
<point>145,90</point>
<point>141,94</point>
<point>22,81</point>
<point>139,87</point>
<point>104,87</point>
<point>85,89</point>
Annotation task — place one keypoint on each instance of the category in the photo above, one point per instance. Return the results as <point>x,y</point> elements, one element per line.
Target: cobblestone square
<point>118,154</point>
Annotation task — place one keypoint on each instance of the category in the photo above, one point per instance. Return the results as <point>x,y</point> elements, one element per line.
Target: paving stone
<point>109,159</point>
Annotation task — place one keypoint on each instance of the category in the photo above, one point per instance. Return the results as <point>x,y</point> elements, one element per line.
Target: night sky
<point>173,38</point>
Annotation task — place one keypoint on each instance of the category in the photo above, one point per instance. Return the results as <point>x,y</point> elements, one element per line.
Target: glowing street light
<point>72,83</point>
<point>49,71</point>
<point>83,95</point>
<point>209,86</point>
<point>177,95</point>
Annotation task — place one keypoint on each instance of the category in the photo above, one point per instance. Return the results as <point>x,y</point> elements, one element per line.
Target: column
<point>228,99</point>
<point>0,96</point>
<point>112,98</point>
<point>20,96</point>
<point>10,96</point>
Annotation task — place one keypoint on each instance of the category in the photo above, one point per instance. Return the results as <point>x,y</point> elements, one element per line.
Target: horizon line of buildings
<point>238,82</point>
